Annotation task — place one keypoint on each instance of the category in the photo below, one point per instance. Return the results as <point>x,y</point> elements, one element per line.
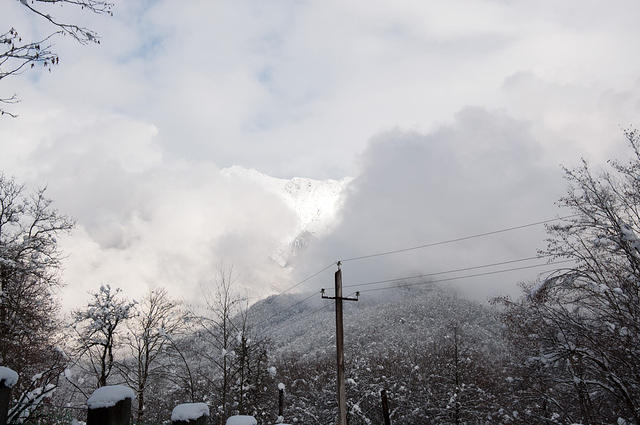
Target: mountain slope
<point>407,313</point>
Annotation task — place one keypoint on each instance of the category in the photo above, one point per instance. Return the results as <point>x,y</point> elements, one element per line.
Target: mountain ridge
<point>315,203</point>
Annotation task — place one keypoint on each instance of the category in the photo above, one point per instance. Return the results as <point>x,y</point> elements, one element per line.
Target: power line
<point>501,263</point>
<point>286,309</point>
<point>290,307</point>
<point>293,305</point>
<point>463,238</point>
<point>465,277</point>
<point>423,275</point>
<point>323,307</point>
<point>306,279</point>
<point>314,311</point>
<point>311,276</point>
<point>414,248</point>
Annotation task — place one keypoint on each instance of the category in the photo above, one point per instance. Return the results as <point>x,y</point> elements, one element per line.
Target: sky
<point>452,118</point>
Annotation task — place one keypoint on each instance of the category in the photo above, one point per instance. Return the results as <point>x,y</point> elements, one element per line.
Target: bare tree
<point>251,365</point>
<point>219,328</point>
<point>230,345</point>
<point>156,317</point>
<point>17,55</point>
<point>243,357</point>
<point>96,328</point>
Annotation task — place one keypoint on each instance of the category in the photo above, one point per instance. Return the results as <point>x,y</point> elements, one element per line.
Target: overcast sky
<point>452,116</point>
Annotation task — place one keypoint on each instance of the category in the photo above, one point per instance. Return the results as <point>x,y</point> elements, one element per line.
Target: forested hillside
<point>438,356</point>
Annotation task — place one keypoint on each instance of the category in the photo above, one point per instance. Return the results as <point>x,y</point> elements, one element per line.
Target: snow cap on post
<point>110,405</point>
<point>109,396</point>
<point>190,413</point>
<point>242,420</point>
<point>8,377</point>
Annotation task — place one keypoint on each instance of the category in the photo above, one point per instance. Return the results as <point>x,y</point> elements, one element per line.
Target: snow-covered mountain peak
<point>316,204</point>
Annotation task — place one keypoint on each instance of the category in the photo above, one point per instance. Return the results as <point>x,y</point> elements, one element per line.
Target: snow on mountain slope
<point>400,316</point>
<point>315,203</point>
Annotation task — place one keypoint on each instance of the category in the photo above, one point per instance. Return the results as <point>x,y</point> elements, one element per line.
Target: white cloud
<point>172,226</point>
<point>130,135</point>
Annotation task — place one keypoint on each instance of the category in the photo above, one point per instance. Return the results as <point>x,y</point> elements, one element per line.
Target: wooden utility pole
<point>342,395</point>
<point>342,391</point>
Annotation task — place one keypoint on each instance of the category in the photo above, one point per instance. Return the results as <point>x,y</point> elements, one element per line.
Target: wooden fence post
<point>8,379</point>
<point>385,407</point>
<point>281,400</point>
<point>120,414</point>
<point>5,396</point>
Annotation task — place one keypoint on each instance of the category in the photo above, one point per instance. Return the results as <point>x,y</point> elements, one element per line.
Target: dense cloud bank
<point>482,173</point>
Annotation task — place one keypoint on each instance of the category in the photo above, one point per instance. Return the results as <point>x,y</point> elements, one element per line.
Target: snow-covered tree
<point>578,329</point>
<point>29,276</point>
<point>29,266</point>
<point>97,329</point>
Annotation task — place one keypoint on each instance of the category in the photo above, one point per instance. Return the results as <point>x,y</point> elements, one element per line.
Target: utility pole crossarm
<point>322,291</point>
